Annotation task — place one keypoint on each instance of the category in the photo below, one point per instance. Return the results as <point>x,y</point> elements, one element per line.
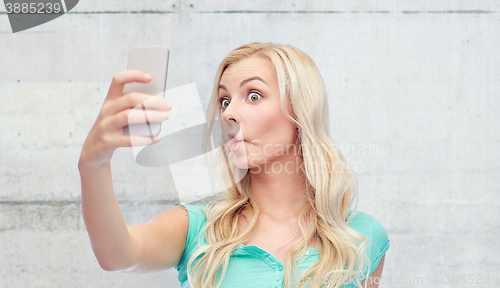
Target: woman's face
<point>249,96</point>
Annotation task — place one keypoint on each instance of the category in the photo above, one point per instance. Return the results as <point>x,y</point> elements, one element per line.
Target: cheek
<point>274,128</point>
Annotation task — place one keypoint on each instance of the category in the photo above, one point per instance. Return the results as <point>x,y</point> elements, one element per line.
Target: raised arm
<point>142,248</point>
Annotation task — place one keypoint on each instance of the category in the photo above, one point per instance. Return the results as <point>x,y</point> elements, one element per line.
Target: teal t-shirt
<point>250,266</point>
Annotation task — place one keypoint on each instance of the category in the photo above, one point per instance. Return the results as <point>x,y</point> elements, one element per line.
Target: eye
<point>254,96</point>
<point>224,102</point>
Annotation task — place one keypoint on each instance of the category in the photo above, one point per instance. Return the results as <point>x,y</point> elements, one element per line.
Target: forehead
<point>248,67</point>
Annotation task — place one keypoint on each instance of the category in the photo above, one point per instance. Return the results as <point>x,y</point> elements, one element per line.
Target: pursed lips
<point>233,138</point>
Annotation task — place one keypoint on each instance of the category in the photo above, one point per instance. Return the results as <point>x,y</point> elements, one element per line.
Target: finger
<point>122,78</point>
<point>134,116</point>
<point>138,100</point>
<point>132,141</point>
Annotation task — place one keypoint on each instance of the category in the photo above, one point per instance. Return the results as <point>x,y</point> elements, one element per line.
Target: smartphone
<point>154,61</point>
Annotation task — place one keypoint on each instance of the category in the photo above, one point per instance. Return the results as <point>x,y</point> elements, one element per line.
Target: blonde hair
<point>330,182</point>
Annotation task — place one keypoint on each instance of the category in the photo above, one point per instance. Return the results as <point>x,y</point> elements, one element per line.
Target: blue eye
<point>254,96</point>
<point>222,102</point>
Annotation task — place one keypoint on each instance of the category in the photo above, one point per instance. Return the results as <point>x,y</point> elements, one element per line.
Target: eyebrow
<point>245,82</point>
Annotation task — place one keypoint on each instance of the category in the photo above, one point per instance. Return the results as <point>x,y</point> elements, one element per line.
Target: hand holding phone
<point>119,110</point>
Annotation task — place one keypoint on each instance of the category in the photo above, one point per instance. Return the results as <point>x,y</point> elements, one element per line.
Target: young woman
<point>287,223</point>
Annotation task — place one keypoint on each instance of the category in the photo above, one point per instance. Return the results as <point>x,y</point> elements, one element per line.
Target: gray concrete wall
<point>413,96</point>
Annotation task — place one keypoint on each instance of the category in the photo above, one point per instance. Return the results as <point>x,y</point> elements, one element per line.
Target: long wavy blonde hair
<point>330,189</point>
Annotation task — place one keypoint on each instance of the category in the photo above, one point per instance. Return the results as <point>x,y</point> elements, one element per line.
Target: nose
<point>230,113</point>
<point>231,125</point>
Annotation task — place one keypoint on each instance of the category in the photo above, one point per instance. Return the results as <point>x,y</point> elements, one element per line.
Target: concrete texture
<point>413,95</point>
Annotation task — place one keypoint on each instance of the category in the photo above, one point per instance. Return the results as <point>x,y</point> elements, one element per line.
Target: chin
<point>240,161</point>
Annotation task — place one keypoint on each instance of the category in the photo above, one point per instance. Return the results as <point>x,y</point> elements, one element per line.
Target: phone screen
<point>154,61</point>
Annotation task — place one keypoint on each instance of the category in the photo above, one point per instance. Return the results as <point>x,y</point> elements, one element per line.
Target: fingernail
<point>147,76</point>
<point>164,115</point>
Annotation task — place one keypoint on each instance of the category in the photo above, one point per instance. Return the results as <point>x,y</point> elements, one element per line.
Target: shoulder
<point>371,228</point>
<point>192,208</point>
<point>197,217</point>
<point>367,224</point>
<point>197,221</point>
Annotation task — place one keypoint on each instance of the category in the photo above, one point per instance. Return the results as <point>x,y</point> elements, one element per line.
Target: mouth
<point>233,138</point>
<point>235,142</point>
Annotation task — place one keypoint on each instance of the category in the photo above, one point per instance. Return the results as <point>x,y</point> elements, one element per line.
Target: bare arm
<point>374,279</point>
<point>112,244</point>
<point>147,247</point>
<point>161,241</point>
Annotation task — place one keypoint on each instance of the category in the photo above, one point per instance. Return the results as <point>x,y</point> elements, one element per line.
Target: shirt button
<point>280,267</point>
<point>307,252</point>
<point>278,278</point>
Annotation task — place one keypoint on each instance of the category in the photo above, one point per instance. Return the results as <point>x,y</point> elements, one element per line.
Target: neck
<point>280,193</point>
